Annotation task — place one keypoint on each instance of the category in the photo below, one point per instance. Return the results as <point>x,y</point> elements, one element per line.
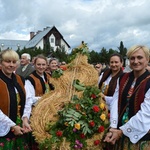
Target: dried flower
<point>82,136</point>
<point>59,133</point>
<point>92,123</point>
<point>96,142</point>
<point>96,108</point>
<point>77,126</point>
<point>93,96</point>
<point>101,129</point>
<point>103,117</point>
<point>102,106</point>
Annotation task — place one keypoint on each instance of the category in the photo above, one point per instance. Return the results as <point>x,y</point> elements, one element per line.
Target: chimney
<point>31,35</point>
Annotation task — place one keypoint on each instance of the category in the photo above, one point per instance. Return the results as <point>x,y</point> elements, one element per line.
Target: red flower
<point>92,123</point>
<point>96,142</point>
<point>82,136</point>
<point>93,96</point>
<point>95,108</point>
<point>101,129</point>
<point>59,133</point>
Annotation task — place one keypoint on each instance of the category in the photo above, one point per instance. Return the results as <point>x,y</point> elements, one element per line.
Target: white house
<point>38,39</point>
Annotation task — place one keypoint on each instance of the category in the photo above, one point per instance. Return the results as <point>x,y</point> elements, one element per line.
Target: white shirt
<point>5,123</point>
<point>139,124</point>
<point>31,99</point>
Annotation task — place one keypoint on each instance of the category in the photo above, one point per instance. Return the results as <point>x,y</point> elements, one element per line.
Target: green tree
<point>94,57</point>
<point>122,51</point>
<point>104,56</point>
<point>61,54</point>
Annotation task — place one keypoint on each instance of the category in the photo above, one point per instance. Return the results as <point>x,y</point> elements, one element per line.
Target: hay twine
<point>47,107</point>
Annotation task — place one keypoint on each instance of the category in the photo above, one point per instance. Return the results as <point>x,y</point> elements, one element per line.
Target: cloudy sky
<point>100,23</point>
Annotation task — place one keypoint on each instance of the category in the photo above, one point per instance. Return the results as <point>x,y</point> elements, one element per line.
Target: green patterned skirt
<point>125,144</point>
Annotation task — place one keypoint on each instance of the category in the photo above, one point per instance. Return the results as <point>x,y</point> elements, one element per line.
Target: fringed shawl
<point>113,81</point>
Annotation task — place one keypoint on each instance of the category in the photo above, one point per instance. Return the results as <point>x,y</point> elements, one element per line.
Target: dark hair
<point>117,54</point>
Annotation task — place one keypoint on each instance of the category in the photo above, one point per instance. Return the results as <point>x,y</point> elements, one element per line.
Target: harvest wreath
<point>73,116</point>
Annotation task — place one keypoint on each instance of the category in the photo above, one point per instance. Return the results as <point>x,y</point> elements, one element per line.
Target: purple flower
<point>81,145</point>
<point>77,142</point>
<point>74,129</point>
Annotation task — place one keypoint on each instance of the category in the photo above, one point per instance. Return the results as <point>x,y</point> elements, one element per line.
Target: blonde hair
<point>135,48</point>
<point>9,54</point>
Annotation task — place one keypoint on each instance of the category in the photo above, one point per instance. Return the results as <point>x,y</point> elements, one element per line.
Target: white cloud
<point>100,23</point>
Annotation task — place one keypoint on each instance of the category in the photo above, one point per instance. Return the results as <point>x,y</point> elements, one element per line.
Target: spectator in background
<point>99,68</point>
<point>63,65</point>
<point>53,65</point>
<point>32,62</point>
<point>25,68</point>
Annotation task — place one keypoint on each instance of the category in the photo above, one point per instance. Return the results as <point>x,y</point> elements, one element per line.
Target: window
<point>52,40</point>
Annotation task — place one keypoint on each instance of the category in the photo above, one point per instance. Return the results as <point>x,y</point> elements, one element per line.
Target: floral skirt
<point>125,144</point>
<point>18,143</point>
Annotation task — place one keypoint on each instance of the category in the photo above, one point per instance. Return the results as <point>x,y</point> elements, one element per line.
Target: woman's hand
<point>102,96</point>
<point>17,130</point>
<point>113,135</point>
<point>26,125</point>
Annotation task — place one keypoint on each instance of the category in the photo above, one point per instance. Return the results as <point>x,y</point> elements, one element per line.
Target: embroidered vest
<point>38,83</point>
<point>5,97</point>
<point>141,87</point>
<point>110,89</point>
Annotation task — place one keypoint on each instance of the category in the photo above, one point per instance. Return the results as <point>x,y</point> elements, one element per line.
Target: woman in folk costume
<point>36,85</point>
<point>130,110</point>
<point>108,79</point>
<point>12,101</point>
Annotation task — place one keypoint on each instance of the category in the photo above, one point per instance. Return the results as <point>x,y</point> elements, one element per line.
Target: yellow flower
<point>77,126</point>
<point>102,106</point>
<point>103,117</point>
